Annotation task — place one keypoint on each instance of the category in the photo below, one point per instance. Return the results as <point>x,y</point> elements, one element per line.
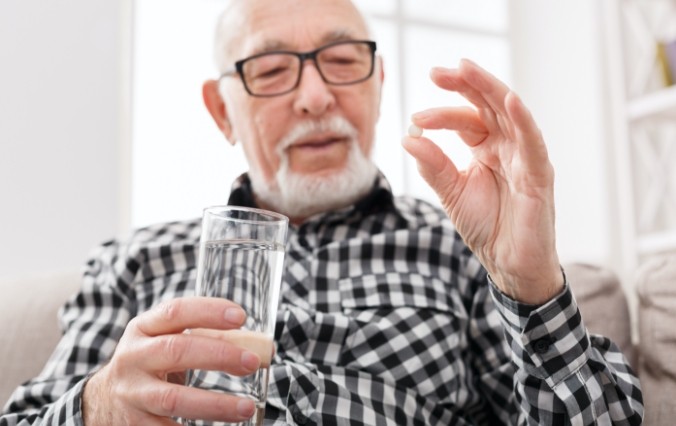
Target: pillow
<point>30,330</point>
<point>603,304</point>
<point>656,284</point>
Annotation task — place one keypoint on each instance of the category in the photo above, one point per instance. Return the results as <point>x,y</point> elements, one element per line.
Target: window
<point>181,163</point>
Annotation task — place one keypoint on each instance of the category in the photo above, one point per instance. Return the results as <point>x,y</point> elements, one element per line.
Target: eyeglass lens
<point>276,72</point>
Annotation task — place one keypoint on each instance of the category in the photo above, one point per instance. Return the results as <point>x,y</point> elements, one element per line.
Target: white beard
<point>300,196</point>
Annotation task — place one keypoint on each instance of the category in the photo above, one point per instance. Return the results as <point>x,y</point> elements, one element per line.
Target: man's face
<point>261,123</point>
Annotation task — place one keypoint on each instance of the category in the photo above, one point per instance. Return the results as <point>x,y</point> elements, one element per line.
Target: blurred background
<point>102,127</point>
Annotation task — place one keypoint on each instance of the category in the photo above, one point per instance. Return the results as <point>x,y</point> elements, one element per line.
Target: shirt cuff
<point>548,341</point>
<point>67,410</point>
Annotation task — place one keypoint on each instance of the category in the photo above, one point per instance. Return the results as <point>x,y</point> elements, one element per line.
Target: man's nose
<point>313,95</point>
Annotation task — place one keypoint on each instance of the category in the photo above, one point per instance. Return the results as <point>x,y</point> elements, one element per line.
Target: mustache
<point>304,129</point>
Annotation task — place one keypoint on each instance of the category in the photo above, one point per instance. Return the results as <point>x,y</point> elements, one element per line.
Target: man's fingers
<point>499,108</point>
<point>492,90</point>
<point>434,166</point>
<point>522,119</point>
<point>179,314</point>
<point>169,400</point>
<point>178,352</point>
<point>450,79</point>
<point>463,120</point>
<point>532,148</point>
<point>253,341</point>
<point>452,118</point>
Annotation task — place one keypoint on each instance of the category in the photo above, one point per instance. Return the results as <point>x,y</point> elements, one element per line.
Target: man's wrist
<point>533,290</point>
<point>92,399</point>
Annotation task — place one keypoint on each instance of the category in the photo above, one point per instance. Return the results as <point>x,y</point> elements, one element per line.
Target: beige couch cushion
<point>603,304</point>
<point>657,334</point>
<point>30,331</point>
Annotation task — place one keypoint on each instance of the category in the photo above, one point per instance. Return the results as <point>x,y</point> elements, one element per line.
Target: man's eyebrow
<point>338,35</point>
<point>270,46</point>
<point>275,45</point>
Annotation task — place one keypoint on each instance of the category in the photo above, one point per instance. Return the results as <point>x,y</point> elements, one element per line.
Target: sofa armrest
<point>656,284</point>
<point>603,304</point>
<point>30,330</point>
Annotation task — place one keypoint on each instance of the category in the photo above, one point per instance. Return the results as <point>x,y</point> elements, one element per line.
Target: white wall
<point>60,126</point>
<point>58,131</point>
<point>558,71</point>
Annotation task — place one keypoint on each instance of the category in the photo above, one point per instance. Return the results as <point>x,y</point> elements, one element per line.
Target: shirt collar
<point>379,199</point>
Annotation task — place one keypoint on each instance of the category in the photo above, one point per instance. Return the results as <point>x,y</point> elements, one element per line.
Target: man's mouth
<point>319,142</point>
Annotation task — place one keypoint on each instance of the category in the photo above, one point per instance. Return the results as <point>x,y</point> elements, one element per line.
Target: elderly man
<point>389,314</point>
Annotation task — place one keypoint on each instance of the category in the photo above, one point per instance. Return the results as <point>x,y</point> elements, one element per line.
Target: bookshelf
<point>642,117</point>
<point>658,104</point>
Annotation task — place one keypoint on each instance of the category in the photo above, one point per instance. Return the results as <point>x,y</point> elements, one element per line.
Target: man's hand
<point>134,386</point>
<point>503,204</point>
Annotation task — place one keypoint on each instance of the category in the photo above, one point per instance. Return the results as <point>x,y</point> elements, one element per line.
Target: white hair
<point>223,37</point>
<point>230,19</point>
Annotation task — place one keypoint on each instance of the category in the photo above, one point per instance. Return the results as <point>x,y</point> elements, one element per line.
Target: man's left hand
<point>503,203</point>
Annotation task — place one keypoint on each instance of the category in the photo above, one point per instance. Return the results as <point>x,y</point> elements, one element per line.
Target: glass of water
<point>241,259</point>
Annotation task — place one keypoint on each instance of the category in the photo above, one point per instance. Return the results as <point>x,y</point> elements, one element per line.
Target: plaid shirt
<point>386,318</point>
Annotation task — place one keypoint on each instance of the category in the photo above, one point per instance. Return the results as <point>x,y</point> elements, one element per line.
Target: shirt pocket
<point>394,290</point>
<point>407,328</point>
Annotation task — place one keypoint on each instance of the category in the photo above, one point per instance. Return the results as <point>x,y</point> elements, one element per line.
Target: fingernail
<point>421,115</point>
<point>516,97</point>
<point>250,360</point>
<point>235,315</point>
<point>467,61</point>
<point>245,408</point>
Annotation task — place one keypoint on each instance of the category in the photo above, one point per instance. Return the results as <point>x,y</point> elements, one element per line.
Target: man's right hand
<point>132,388</point>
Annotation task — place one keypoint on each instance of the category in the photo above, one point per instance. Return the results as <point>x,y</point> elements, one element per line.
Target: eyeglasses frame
<point>238,66</point>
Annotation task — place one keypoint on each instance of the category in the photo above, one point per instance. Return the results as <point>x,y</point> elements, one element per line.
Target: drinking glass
<point>241,259</point>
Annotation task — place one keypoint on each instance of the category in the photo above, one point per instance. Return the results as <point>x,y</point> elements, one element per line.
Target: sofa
<point>30,330</point>
<point>651,346</point>
<point>28,312</point>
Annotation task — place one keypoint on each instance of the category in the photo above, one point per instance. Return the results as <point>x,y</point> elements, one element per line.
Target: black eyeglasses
<point>279,72</point>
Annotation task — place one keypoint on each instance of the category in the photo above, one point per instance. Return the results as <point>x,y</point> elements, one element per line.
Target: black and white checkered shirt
<point>386,318</point>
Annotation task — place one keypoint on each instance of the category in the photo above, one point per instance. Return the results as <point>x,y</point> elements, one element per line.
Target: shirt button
<point>541,346</point>
<point>298,415</point>
<point>299,418</point>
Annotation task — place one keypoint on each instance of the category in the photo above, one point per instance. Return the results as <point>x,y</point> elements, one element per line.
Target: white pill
<point>414,131</point>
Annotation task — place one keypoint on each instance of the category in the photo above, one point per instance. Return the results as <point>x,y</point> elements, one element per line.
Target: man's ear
<point>381,76</point>
<point>216,106</point>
